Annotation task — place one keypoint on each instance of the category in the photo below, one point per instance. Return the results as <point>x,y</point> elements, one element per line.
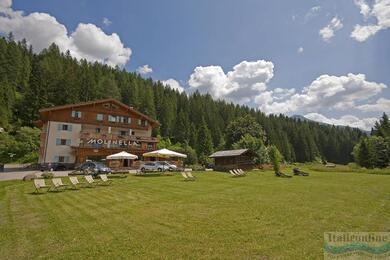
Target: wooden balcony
<point>106,136</point>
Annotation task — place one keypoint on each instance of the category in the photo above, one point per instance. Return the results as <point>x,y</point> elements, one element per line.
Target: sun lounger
<point>40,184</point>
<point>90,181</point>
<point>189,174</point>
<point>74,182</point>
<point>57,184</point>
<point>104,179</point>
<point>186,176</point>
<point>237,172</point>
<point>233,173</point>
<point>241,171</point>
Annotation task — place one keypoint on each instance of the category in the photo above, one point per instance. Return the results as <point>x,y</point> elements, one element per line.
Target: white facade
<point>60,136</point>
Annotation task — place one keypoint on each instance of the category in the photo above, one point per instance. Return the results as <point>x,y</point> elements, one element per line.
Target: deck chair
<point>90,181</point>
<point>233,173</point>
<point>186,177</point>
<point>241,171</point>
<point>189,174</point>
<point>57,184</point>
<point>40,184</point>
<point>104,179</point>
<point>74,182</point>
<point>237,172</point>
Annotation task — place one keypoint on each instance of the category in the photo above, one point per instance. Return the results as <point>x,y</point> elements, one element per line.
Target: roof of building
<point>43,110</point>
<point>228,153</point>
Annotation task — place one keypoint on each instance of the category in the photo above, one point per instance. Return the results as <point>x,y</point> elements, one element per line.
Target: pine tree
<point>204,143</point>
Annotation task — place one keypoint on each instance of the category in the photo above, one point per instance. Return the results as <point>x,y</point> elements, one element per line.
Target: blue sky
<point>174,37</point>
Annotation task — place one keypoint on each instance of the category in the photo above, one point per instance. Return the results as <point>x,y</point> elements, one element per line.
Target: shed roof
<point>228,153</point>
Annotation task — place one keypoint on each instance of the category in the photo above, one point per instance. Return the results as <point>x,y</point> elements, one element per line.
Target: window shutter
<point>59,126</point>
<point>56,159</point>
<point>58,141</point>
<point>68,141</point>
<point>70,128</point>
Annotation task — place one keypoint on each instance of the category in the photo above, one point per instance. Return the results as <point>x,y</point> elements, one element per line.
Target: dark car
<point>56,167</point>
<point>94,168</point>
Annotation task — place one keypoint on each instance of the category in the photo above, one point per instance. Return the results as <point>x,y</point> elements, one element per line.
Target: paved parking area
<point>18,175</point>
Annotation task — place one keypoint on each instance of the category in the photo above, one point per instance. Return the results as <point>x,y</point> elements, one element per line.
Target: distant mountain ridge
<point>303,118</point>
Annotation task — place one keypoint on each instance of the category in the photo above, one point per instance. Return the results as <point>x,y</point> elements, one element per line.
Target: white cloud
<point>41,29</point>
<point>145,69</point>
<point>242,84</point>
<point>365,9</point>
<point>381,105</point>
<point>362,33</point>
<point>173,84</point>
<point>380,11</point>
<point>347,120</point>
<point>328,31</point>
<point>325,93</point>
<point>106,21</point>
<point>247,83</point>
<point>300,49</point>
<point>313,12</point>
<point>5,3</point>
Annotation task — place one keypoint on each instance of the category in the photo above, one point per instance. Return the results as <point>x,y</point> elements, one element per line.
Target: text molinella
<point>113,142</point>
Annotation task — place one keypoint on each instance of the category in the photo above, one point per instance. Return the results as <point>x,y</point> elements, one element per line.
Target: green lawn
<point>258,216</point>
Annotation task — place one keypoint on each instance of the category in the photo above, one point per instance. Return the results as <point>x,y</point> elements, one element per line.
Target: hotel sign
<point>113,142</point>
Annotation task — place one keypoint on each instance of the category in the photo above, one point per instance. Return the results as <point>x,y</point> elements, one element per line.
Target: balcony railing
<point>106,136</point>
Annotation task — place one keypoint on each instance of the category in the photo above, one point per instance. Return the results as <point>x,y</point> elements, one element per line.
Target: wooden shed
<point>233,159</point>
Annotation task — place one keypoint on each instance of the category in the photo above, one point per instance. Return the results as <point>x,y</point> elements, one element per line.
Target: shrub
<point>47,175</point>
<point>275,157</point>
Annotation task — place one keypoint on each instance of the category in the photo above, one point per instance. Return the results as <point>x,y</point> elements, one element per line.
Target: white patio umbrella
<point>164,153</point>
<point>122,156</point>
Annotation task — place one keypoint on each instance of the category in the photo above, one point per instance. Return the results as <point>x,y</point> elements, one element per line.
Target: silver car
<point>157,166</point>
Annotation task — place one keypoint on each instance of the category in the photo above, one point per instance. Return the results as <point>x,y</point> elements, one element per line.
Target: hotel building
<point>92,130</point>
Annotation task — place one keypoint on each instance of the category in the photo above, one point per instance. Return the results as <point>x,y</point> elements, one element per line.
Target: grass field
<point>258,216</point>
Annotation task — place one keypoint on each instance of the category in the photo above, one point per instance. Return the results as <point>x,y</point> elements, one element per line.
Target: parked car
<point>94,168</point>
<point>56,167</point>
<point>171,167</point>
<point>155,166</point>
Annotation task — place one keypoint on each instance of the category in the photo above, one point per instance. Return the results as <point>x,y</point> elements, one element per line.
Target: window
<point>121,119</point>
<point>99,117</point>
<point>150,146</point>
<point>132,132</point>
<point>60,141</point>
<point>97,130</point>
<point>61,159</point>
<point>64,127</point>
<point>143,123</point>
<point>111,118</point>
<point>122,132</point>
<point>129,120</point>
<point>76,114</point>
